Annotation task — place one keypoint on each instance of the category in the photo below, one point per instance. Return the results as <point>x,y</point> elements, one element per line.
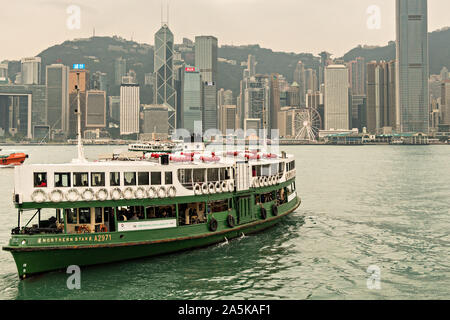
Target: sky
<point>28,27</point>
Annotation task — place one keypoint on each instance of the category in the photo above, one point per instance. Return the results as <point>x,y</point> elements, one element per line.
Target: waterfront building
<point>155,124</point>
<point>413,66</point>
<point>358,105</point>
<point>129,108</point>
<point>336,98</point>
<point>311,80</point>
<point>227,118</point>
<point>209,114</point>
<point>78,78</point>
<point>256,100</point>
<point>164,92</point>
<point>286,122</point>
<point>192,98</point>
<point>120,69</point>
<point>275,106</point>
<point>22,107</point>
<point>444,74</point>
<point>299,78</point>
<point>206,48</point>
<point>114,108</point>
<point>57,82</point>
<point>4,73</point>
<point>31,70</point>
<point>251,65</point>
<point>95,109</point>
<point>445,102</point>
<point>99,81</point>
<point>224,97</point>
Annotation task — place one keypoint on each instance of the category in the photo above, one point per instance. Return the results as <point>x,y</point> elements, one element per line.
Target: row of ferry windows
<point>98,179</point>
<point>267,169</point>
<point>189,176</point>
<point>290,166</point>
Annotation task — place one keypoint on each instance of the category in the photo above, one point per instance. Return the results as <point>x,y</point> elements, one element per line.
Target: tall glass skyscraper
<point>413,66</point>
<point>165,92</point>
<point>192,98</point>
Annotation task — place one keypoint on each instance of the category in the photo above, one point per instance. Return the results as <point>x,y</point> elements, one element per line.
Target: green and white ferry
<point>87,213</point>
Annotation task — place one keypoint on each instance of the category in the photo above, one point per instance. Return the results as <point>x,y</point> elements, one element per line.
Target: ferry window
<point>85,216</point>
<point>273,169</point>
<point>156,178</point>
<point>281,167</point>
<point>80,179</point>
<point>199,175</point>
<point>161,212</point>
<point>71,215</point>
<point>168,178</point>
<point>40,179</point>
<point>191,213</point>
<point>98,215</point>
<point>185,176</point>
<point>98,179</point>
<point>130,178</point>
<point>265,171</point>
<point>213,175</point>
<point>114,179</point>
<point>143,179</point>
<point>219,206</point>
<point>224,174</point>
<point>62,180</point>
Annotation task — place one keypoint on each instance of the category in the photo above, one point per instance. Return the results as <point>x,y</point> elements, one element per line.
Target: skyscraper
<point>3,73</point>
<point>209,102</point>
<point>95,109</point>
<point>120,69</point>
<point>445,102</point>
<point>336,98</point>
<point>251,65</point>
<point>206,57</point>
<point>129,108</point>
<point>192,98</point>
<point>57,82</point>
<point>165,92</point>
<point>31,70</point>
<point>299,77</point>
<point>412,66</point>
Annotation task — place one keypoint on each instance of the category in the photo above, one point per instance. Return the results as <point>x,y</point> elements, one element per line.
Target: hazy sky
<point>29,26</point>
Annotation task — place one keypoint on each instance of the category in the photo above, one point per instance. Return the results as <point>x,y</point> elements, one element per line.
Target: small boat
<point>10,159</point>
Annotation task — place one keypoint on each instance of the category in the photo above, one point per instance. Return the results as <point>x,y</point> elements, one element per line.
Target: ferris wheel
<point>307,124</point>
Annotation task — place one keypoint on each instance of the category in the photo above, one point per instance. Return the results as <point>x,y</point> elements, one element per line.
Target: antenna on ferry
<point>81,157</point>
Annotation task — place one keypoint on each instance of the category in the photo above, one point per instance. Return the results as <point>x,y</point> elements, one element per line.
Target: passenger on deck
<point>134,217</point>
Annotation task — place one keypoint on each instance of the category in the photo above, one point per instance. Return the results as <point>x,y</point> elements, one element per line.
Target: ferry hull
<point>36,260</point>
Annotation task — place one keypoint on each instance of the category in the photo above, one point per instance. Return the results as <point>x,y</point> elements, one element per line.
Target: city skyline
<point>358,24</point>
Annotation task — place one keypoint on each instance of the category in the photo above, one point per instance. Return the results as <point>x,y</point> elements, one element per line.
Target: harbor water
<point>364,208</point>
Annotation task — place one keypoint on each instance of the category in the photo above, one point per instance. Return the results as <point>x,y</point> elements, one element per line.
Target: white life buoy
<point>72,195</point>
<point>205,188</point>
<point>231,186</point>
<point>162,193</point>
<point>116,194</point>
<point>270,181</point>
<point>261,181</point>
<point>197,189</point>
<point>274,180</point>
<point>151,192</point>
<point>172,192</point>
<point>38,196</point>
<point>211,188</point>
<point>128,193</point>
<point>217,187</point>
<point>102,194</point>
<point>140,193</point>
<point>223,186</point>
<point>56,196</point>
<point>88,195</point>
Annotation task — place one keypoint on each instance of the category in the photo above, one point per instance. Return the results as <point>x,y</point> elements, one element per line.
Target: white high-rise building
<point>336,98</point>
<point>129,108</point>
<point>31,70</point>
<point>413,66</point>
